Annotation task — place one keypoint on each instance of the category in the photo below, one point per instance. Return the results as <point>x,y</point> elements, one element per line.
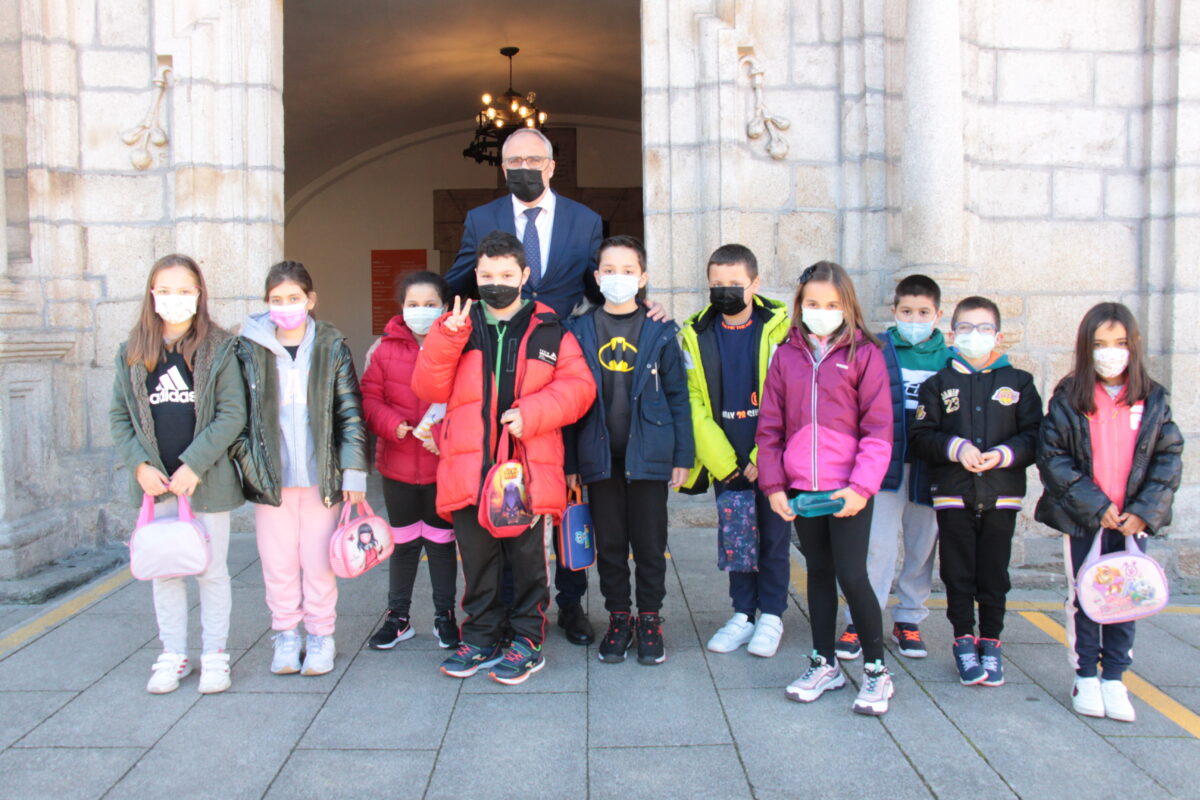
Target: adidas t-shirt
<point>173,408</point>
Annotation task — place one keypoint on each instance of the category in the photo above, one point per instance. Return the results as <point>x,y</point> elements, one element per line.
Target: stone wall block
<point>104,116</point>
<point>1061,136</point>
<point>1124,196</point>
<point>1120,80</point>
<point>1078,193</point>
<point>123,255</point>
<point>684,123</point>
<point>1010,192</point>
<point>816,186</point>
<point>1081,256</point>
<point>121,198</point>
<point>1060,77</point>
<point>125,24</point>
<point>1112,26</point>
<point>763,184</point>
<point>116,69</point>
<point>815,66</point>
<point>114,319</point>
<point>814,117</point>
<point>806,237</point>
<point>1052,320</point>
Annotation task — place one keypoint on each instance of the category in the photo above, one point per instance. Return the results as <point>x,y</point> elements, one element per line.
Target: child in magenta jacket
<point>826,425</point>
<point>407,458</point>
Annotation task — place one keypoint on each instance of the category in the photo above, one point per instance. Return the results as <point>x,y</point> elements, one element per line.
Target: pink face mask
<point>289,317</point>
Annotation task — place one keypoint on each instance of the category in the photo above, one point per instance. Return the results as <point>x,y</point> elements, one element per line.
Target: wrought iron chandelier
<point>499,117</point>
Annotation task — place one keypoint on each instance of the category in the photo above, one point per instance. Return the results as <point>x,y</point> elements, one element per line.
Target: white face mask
<point>1110,361</point>
<point>618,289</point>
<point>822,321</point>
<point>175,308</point>
<point>975,345</point>
<point>420,319</point>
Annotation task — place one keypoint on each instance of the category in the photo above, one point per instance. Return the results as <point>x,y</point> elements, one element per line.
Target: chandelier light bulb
<point>542,117</point>
<point>499,123</point>
<point>529,122</point>
<point>523,111</point>
<point>487,99</point>
<point>491,113</point>
<point>515,105</point>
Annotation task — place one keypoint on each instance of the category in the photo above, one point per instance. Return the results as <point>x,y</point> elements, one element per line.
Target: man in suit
<point>560,248</point>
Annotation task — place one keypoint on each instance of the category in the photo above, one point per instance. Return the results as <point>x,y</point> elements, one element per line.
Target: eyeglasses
<point>533,162</point>
<point>964,328</point>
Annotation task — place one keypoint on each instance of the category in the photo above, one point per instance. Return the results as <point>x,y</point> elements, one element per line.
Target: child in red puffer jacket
<point>407,458</point>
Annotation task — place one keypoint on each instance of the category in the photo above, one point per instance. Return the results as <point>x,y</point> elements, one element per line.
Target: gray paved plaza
<point>75,720</point>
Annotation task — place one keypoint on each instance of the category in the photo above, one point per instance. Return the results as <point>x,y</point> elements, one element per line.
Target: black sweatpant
<point>974,547</point>
<point>1095,644</point>
<point>835,550</point>
<point>483,558</point>
<point>408,504</point>
<point>630,515</point>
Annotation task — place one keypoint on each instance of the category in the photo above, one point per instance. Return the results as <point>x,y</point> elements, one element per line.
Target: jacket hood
<point>959,363</point>
<point>397,330</point>
<point>259,329</point>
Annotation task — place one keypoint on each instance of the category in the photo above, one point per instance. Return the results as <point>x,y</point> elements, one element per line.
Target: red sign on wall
<point>388,267</point>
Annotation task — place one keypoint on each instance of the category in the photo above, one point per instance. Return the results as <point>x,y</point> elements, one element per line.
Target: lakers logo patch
<point>950,400</point>
<point>921,412</point>
<point>1006,396</point>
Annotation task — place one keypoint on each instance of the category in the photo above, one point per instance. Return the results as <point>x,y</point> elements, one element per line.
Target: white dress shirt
<point>544,222</point>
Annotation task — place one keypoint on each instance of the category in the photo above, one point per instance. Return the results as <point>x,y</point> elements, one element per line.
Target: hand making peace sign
<point>458,317</point>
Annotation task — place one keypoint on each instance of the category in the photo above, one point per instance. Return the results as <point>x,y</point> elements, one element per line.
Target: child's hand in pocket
<point>678,476</point>
<point>855,502</point>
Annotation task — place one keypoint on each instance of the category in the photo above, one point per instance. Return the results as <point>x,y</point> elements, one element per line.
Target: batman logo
<point>618,355</point>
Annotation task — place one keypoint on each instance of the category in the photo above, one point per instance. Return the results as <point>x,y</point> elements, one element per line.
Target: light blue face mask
<point>914,332</point>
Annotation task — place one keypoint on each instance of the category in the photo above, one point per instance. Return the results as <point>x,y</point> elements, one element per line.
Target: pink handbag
<point>360,543</point>
<point>1120,586</point>
<point>168,547</point>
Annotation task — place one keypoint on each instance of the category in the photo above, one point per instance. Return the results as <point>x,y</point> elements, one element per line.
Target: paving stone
<point>1008,732</point>
<point>947,763</point>
<point>1172,762</point>
<point>352,774</point>
<point>55,661</point>
<point>542,746</point>
<point>653,773</point>
<point>135,597</point>
<point>21,712</point>
<point>62,773</point>
<point>201,749</point>
<point>118,711</point>
<point>816,749</point>
<point>673,703</point>
<point>387,700</point>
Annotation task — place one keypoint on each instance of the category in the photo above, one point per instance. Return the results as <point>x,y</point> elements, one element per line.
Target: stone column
<point>932,165</point>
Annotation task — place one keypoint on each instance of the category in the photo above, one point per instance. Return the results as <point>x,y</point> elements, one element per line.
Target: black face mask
<point>727,299</point>
<point>498,295</point>
<point>526,184</point>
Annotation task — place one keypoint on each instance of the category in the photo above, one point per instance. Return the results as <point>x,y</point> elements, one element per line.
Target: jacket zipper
<point>816,366</point>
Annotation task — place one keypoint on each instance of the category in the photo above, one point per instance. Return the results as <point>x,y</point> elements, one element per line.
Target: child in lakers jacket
<point>976,425</point>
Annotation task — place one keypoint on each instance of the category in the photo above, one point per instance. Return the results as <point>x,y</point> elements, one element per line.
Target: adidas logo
<point>172,388</point>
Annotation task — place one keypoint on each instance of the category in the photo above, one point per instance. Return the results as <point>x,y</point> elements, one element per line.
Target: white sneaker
<point>214,673</point>
<point>875,691</point>
<point>820,677</point>
<point>287,653</point>
<point>767,633</point>
<point>1116,701</point>
<point>1086,698</point>
<point>319,652</point>
<point>732,635</point>
<point>168,668</point>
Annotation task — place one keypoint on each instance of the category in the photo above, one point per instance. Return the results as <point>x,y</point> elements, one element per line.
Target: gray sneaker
<point>287,653</point>
<point>876,690</point>
<point>319,652</point>
<point>820,677</point>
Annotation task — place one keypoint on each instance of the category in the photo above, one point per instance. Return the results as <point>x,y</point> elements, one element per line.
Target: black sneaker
<point>650,639</point>
<point>394,630</point>
<point>848,647</point>
<point>992,662</point>
<point>908,637</point>
<point>617,639</point>
<point>966,658</point>
<point>445,628</point>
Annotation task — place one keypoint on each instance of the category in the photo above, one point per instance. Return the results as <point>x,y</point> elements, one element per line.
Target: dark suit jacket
<point>569,273</point>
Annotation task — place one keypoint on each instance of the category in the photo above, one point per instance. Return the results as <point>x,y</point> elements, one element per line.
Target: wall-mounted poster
<point>387,268</point>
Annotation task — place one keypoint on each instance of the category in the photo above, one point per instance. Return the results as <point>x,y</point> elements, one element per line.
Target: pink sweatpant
<point>293,545</point>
